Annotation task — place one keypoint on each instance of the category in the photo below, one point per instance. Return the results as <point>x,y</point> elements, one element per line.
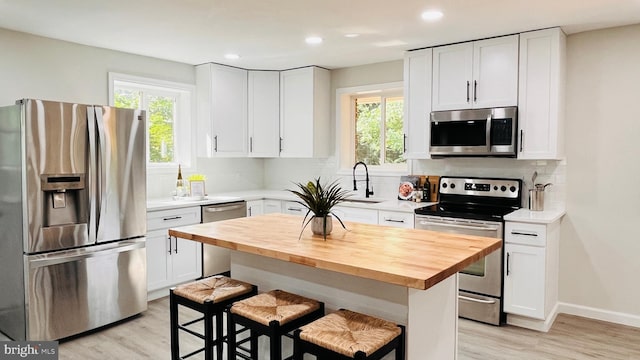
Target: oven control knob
<point>444,185</point>
<point>503,188</point>
<point>512,188</point>
<point>495,188</point>
<point>453,186</point>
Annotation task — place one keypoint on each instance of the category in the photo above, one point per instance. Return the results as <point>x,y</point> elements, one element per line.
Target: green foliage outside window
<point>160,121</point>
<point>369,124</point>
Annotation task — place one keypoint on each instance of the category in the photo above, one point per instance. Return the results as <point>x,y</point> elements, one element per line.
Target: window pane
<point>160,115</point>
<point>368,130</point>
<point>394,133</point>
<point>124,98</point>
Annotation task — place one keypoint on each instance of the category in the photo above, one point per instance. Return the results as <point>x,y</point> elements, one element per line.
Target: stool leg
<point>208,335</point>
<point>231,338</point>
<point>219,335</point>
<point>254,344</point>
<point>275,341</point>
<point>173,310</point>
<point>401,345</point>
<point>297,351</point>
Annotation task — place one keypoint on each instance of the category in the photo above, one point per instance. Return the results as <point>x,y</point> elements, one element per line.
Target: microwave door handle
<point>488,133</point>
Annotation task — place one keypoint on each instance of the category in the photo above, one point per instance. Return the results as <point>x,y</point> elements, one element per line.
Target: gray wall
<point>600,243</point>
<point>42,68</point>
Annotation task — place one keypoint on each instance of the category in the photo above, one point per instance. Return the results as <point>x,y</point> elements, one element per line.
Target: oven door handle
<point>467,227</point>
<point>462,297</point>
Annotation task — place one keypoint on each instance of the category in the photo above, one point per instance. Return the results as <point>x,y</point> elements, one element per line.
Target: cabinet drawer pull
<point>294,209</point>
<point>394,220</point>
<point>523,233</point>
<point>462,297</point>
<point>172,218</point>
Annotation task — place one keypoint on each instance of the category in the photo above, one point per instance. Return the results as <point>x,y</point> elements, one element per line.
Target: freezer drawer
<point>73,291</point>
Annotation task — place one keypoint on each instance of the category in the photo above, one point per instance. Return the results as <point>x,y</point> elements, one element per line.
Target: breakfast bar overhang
<point>403,275</point>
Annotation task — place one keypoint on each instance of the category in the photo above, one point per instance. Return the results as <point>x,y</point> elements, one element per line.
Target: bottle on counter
<point>180,183</point>
<point>425,190</point>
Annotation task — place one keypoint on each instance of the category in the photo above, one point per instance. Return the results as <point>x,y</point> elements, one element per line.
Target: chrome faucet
<point>367,192</point>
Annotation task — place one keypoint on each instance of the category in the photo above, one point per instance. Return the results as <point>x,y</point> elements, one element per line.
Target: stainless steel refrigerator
<point>72,218</point>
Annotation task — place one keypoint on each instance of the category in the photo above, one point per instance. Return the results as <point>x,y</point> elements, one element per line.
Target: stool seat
<point>274,314</point>
<point>275,305</point>
<point>210,297</point>
<point>213,289</point>
<point>347,332</point>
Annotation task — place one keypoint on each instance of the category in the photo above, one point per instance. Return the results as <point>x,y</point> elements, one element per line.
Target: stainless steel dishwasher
<point>215,260</point>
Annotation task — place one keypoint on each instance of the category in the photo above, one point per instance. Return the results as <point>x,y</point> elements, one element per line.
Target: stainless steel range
<point>475,206</point>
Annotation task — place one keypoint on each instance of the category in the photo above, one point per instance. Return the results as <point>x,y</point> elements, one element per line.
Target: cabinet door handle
<point>249,210</point>
<point>172,218</point>
<point>280,145</point>
<point>251,144</point>
<point>508,264</point>
<point>215,143</point>
<point>394,220</point>
<point>175,250</point>
<point>170,247</point>
<point>404,143</point>
<point>467,91</point>
<point>521,139</point>
<point>523,233</point>
<point>475,90</point>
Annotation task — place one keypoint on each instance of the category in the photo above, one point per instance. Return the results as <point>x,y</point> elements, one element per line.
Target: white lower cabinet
<point>396,219</point>
<point>171,261</point>
<point>531,273</point>
<point>293,208</point>
<point>366,216</point>
<point>255,207</point>
<point>272,206</point>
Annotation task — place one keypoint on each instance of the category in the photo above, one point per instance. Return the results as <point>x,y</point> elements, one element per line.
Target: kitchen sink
<point>364,200</point>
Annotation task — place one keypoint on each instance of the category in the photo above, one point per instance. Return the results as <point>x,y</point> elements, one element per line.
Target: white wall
<point>600,245</point>
<point>42,68</point>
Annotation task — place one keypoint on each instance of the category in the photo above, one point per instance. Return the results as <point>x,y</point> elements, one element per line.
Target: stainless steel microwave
<point>476,132</point>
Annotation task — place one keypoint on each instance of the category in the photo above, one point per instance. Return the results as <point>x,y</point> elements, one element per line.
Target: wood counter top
<point>407,257</point>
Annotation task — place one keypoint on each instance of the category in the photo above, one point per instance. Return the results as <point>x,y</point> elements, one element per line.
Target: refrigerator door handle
<point>102,163</point>
<point>41,260</point>
<point>91,176</point>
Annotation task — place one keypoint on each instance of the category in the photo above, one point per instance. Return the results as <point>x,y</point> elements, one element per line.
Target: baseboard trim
<point>534,324</point>
<point>599,314</point>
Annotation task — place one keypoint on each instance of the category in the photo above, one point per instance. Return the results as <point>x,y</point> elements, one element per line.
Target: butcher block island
<point>403,275</point>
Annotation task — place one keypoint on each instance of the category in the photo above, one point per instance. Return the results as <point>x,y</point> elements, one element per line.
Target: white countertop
<point>538,217</point>
<point>249,195</point>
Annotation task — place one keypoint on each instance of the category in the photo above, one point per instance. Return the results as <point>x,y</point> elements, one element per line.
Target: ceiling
<point>269,34</point>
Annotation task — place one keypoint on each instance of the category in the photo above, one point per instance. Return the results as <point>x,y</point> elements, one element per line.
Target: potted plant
<point>319,199</point>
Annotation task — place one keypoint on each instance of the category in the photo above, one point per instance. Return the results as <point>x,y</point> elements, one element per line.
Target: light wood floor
<point>147,337</point>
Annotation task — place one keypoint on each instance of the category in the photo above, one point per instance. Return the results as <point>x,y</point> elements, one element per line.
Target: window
<point>370,128</point>
<point>168,107</point>
<point>379,132</point>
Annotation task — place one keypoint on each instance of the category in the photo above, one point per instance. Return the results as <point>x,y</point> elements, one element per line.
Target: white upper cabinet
<point>222,111</point>
<point>264,113</point>
<point>476,74</point>
<point>304,113</point>
<point>541,91</point>
<point>417,105</point>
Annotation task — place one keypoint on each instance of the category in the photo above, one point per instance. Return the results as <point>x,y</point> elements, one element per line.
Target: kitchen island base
<point>429,315</point>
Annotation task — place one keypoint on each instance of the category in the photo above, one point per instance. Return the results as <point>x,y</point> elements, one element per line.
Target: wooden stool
<point>273,314</point>
<point>209,296</point>
<point>346,334</point>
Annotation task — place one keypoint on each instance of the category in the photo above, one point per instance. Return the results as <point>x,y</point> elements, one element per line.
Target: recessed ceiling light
<point>432,15</point>
<point>352,35</point>
<point>313,40</point>
<point>232,56</point>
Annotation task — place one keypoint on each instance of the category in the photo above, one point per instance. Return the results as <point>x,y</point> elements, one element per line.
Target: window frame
<point>346,129</point>
<point>184,146</point>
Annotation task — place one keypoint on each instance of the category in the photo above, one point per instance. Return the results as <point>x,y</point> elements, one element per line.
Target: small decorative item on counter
<point>319,199</point>
<point>408,185</point>
<point>180,190</point>
<point>196,186</point>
